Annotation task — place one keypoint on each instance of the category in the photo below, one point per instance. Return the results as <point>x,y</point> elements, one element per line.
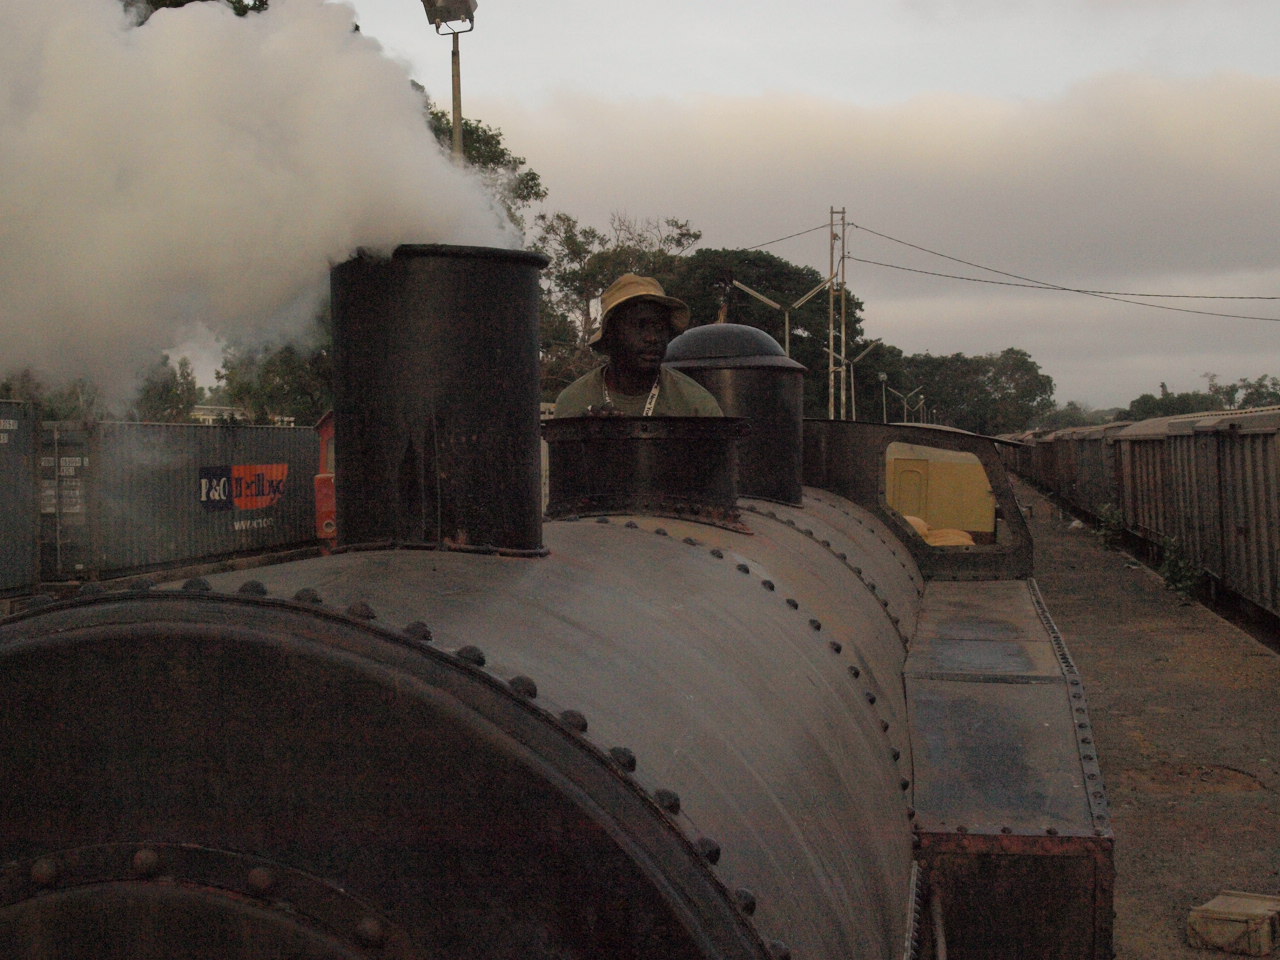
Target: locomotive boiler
<point>718,700</point>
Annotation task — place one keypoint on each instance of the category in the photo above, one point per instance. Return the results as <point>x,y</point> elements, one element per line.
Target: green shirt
<point>678,396</point>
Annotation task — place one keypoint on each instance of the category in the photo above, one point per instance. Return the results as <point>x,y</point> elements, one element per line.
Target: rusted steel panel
<point>436,397</point>
<point>1011,814</point>
<point>125,497</point>
<point>848,459</point>
<point>668,466</point>
<point>752,674</point>
<point>1014,898</point>
<point>18,495</point>
<point>424,791</point>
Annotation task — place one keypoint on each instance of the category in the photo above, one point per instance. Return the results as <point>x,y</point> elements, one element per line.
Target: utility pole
<point>831,319</point>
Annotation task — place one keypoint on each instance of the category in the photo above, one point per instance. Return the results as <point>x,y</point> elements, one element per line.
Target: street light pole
<point>853,392</point>
<point>904,397</point>
<point>444,15</point>
<point>884,403</point>
<point>786,311</point>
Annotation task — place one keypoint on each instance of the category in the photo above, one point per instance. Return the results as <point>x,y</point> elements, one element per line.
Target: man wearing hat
<point>637,323</point>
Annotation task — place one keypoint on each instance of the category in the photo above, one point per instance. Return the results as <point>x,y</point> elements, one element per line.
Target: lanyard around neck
<point>648,404</point>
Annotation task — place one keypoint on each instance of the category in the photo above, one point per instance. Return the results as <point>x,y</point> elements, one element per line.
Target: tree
<point>142,9</point>
<point>78,399</point>
<point>508,179</point>
<point>704,280</point>
<point>1245,393</point>
<point>1073,414</point>
<point>990,394</point>
<point>167,394</point>
<point>1169,404</point>
<point>276,383</point>
<point>584,261</point>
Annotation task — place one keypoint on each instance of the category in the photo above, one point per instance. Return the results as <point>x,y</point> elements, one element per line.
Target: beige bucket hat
<point>631,286</point>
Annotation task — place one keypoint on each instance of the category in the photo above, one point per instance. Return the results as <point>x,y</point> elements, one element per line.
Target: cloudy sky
<point>204,170</point>
<point>1128,146</point>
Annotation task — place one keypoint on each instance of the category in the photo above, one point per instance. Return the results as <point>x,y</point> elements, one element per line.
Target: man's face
<point>638,336</point>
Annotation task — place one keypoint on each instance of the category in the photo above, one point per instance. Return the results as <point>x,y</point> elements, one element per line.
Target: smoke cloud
<point>201,170</point>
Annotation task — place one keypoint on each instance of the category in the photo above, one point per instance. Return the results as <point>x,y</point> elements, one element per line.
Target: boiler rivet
<point>779,950</point>
<point>370,932</point>
<point>253,588</point>
<point>574,720</point>
<point>623,758</point>
<point>709,849</point>
<point>835,646</point>
<point>418,631</point>
<point>307,595</point>
<point>668,800</point>
<point>146,862</point>
<point>361,611</point>
<point>523,686</point>
<point>793,603</point>
<point>197,584</point>
<point>472,655</point>
<point>44,872</point>
<point>746,901</point>
<point>261,880</point>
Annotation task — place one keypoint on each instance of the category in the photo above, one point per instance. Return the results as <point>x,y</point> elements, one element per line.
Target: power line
<point>1045,284</point>
<point>1029,283</point>
<point>1032,285</point>
<point>769,243</point>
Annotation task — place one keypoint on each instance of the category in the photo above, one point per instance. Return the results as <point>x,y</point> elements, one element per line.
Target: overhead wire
<point>1032,284</point>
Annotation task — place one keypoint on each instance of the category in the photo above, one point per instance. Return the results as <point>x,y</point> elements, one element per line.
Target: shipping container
<point>18,567</point>
<point>120,498</point>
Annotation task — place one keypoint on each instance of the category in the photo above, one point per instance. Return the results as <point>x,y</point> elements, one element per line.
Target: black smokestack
<point>436,398</point>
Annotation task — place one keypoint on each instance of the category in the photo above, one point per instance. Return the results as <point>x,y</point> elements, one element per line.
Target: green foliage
<point>508,179</point>
<point>1169,404</point>
<point>705,280</point>
<point>22,385</point>
<point>79,399</point>
<point>1181,574</point>
<point>989,394</point>
<point>584,261</point>
<point>142,9</point>
<point>1111,526</point>
<point>1244,393</point>
<point>167,394</point>
<point>279,383</point>
<point>1073,414</point>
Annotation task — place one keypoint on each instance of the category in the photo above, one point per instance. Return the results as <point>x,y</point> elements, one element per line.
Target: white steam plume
<point>201,169</point>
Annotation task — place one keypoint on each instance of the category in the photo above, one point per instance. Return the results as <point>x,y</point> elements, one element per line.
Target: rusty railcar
<point>118,498</point>
<point>18,558</point>
<point>664,720</point>
<point>1204,485</point>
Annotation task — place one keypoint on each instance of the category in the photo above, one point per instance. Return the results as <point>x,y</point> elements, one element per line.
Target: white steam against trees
<point>202,169</point>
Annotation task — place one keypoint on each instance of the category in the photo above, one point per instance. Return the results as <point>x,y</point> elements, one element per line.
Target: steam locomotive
<point>724,697</point>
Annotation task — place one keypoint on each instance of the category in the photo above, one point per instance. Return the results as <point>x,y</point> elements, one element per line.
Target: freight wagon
<point>1206,485</point>
<point>122,498</point>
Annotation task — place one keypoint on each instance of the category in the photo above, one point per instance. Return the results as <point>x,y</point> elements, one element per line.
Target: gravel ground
<point>1186,711</point>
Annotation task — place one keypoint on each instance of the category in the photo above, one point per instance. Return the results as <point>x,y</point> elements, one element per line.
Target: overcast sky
<point>206,169</point>
<point>1111,145</point>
